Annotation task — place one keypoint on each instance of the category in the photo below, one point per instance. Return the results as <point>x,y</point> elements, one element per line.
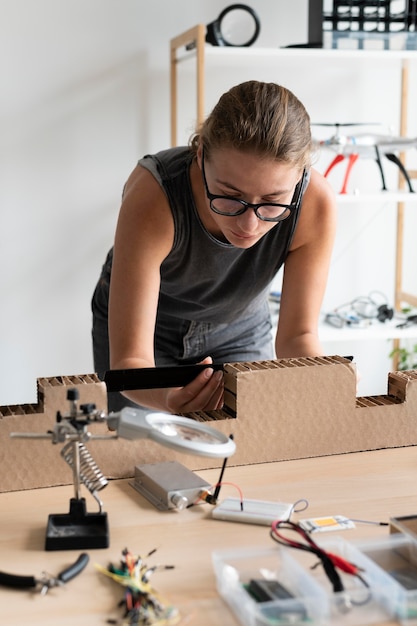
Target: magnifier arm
<point>131,423</point>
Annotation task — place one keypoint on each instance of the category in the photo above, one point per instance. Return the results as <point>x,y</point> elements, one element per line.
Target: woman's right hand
<point>204,393</point>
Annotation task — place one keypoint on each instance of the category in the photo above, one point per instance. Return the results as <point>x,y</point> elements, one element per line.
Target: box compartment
<point>314,602</point>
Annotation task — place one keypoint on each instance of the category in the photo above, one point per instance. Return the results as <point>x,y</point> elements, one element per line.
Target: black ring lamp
<point>230,30</point>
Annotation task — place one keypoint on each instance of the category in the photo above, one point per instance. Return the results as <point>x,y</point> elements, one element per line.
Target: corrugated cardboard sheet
<point>276,410</point>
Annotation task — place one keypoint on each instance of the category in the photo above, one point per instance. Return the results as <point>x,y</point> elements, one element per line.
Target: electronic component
<point>325,524</point>
<point>168,485</point>
<point>251,511</point>
<point>263,590</point>
<point>141,604</point>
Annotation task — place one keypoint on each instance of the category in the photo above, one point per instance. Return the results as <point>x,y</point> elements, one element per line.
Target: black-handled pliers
<point>45,582</point>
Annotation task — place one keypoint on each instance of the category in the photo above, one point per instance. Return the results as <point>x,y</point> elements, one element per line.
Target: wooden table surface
<point>372,486</point>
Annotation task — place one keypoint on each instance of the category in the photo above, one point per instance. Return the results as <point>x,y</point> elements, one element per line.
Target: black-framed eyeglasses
<point>266,211</point>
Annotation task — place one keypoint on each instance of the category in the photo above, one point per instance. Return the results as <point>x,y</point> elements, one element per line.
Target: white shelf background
<point>337,86</point>
<point>380,197</point>
<point>373,330</point>
<point>253,56</point>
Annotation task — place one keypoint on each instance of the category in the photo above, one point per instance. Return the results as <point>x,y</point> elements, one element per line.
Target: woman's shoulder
<point>169,163</point>
<point>318,214</point>
<point>320,185</point>
<point>319,197</point>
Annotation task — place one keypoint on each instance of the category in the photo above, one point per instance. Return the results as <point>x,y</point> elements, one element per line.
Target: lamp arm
<point>130,423</point>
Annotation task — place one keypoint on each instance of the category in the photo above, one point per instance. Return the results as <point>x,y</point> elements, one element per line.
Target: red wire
<point>208,491</point>
<point>310,545</point>
<point>235,486</point>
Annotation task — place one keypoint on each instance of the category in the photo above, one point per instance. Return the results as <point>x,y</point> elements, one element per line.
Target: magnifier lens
<point>170,429</point>
<point>237,27</point>
<point>174,431</point>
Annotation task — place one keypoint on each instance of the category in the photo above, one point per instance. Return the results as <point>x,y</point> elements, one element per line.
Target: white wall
<point>85,92</point>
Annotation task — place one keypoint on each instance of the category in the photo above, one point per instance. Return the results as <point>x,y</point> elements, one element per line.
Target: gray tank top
<point>204,279</point>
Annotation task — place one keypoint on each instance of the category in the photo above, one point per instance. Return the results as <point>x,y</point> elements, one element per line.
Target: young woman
<point>202,231</point>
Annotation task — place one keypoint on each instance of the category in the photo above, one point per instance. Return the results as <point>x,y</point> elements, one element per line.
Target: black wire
<point>328,566</point>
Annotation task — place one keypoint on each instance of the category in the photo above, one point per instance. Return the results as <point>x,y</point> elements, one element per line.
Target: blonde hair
<point>259,117</point>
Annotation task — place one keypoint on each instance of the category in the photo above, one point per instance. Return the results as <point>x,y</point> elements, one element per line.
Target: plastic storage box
<point>238,573</point>
<point>396,555</point>
<point>236,569</point>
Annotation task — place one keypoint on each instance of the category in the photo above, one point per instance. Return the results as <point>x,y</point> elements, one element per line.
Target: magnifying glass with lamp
<point>181,433</point>
<point>238,25</point>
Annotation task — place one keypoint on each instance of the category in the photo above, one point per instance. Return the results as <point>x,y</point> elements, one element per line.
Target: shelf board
<point>252,55</point>
<point>376,330</point>
<point>379,196</point>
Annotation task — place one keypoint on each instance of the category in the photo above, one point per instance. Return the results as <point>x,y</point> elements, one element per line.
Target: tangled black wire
<point>331,562</point>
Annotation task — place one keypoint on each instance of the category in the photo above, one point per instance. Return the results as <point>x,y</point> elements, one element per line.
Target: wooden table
<point>371,486</point>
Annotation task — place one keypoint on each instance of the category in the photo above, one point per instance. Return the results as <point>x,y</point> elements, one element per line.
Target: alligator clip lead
<point>45,582</point>
<point>331,562</point>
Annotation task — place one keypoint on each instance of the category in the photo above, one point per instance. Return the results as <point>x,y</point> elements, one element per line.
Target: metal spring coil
<point>90,474</point>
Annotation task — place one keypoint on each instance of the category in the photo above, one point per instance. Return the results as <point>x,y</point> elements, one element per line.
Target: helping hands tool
<point>79,529</point>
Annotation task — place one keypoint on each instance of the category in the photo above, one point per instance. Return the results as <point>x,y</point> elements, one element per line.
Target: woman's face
<point>245,176</point>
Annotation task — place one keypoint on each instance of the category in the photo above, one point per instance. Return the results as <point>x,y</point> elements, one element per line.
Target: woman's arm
<point>306,271</point>
<point>144,237</point>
